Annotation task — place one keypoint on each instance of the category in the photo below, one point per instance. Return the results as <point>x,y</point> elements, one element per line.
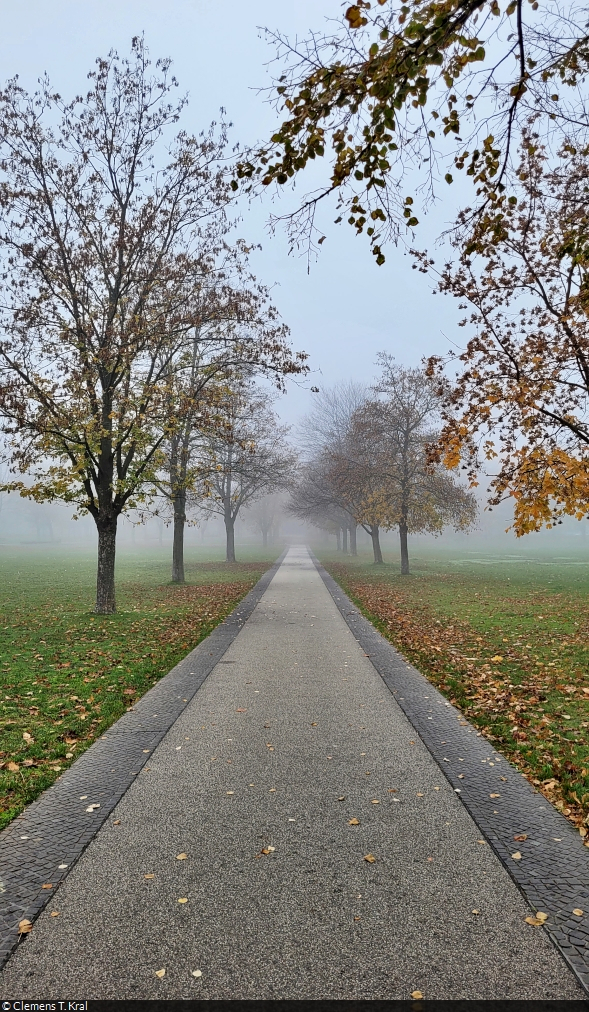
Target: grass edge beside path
<point>533,711</point>
<point>67,674</point>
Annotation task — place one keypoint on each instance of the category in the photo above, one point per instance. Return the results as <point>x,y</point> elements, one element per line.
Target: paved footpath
<point>293,735</point>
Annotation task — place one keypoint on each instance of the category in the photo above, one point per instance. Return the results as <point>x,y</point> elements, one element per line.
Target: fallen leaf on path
<point>47,885</point>
<point>267,850</point>
<point>520,837</point>
<point>181,857</point>
<point>272,790</point>
<point>83,797</point>
<point>24,927</point>
<point>343,798</point>
<point>494,795</point>
<point>151,875</point>
<point>370,858</point>
<point>517,856</point>
<point>475,911</point>
<point>375,801</point>
<point>117,822</point>
<point>439,788</point>
<point>92,808</point>
<point>578,912</point>
<point>419,794</point>
<point>538,920</point>
<point>481,841</point>
<point>183,899</point>
<point>160,973</point>
<point>242,709</point>
<point>357,918</point>
<point>460,777</point>
<point>353,822</point>
<point>196,973</point>
<point>229,792</point>
<point>55,913</point>
<point>314,725</point>
<point>416,994</point>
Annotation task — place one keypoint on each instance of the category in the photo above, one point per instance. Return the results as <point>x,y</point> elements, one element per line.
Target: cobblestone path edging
<point>44,842</point>
<point>553,872</point>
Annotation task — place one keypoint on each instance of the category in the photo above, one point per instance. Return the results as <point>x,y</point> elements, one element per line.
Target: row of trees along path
<point>369,463</point>
<point>125,312</point>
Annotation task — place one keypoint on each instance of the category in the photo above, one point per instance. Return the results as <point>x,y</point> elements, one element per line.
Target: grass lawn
<point>506,640</point>
<point>67,674</point>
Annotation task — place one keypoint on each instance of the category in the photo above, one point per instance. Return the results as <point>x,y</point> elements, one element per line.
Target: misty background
<point>341,308</point>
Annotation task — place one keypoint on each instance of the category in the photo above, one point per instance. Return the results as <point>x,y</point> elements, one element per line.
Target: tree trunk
<point>345,540</point>
<point>230,531</point>
<point>178,543</point>
<point>404,551</point>
<point>105,577</point>
<point>374,534</point>
<point>353,544</point>
<point>337,539</point>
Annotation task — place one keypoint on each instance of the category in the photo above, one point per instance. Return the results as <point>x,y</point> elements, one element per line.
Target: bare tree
<point>99,250</point>
<point>385,467</point>
<point>264,516</point>
<point>244,457</point>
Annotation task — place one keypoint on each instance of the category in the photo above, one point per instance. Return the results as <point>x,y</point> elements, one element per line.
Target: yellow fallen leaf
<point>47,885</point>
<point>475,911</point>
<point>416,994</point>
<point>160,973</point>
<point>375,801</point>
<point>117,822</point>
<point>55,913</point>
<point>520,837</point>
<point>267,850</point>
<point>517,856</point>
<point>181,857</point>
<point>151,875</point>
<point>229,792</point>
<point>494,795</point>
<point>481,841</point>
<point>578,912</point>
<point>419,794</point>
<point>24,926</point>
<point>314,725</point>
<point>538,920</point>
<point>370,858</point>
<point>13,767</point>
<point>196,973</point>
<point>497,658</point>
<point>353,822</point>
<point>183,899</point>
<point>92,808</point>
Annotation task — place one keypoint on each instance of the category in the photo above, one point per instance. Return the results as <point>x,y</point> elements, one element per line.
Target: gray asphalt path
<point>292,736</point>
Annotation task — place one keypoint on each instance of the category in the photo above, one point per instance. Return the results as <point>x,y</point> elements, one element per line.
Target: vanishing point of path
<point>291,737</point>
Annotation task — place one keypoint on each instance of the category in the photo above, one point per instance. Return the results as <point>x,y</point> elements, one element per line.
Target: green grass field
<point>67,674</point>
<point>504,638</point>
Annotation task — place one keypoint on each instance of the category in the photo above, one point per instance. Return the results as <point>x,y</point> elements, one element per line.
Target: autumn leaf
<point>13,767</point>
<point>538,920</point>
<point>160,973</point>
<point>267,850</point>
<point>47,885</point>
<point>517,856</point>
<point>151,875</point>
<point>370,858</point>
<point>578,912</point>
<point>416,994</point>
<point>181,857</point>
<point>521,837</point>
<point>55,913</point>
<point>196,973</point>
<point>24,926</point>
<point>92,808</point>
<point>183,899</point>
<point>353,822</point>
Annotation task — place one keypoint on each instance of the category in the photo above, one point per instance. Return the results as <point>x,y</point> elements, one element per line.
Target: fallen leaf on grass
<point>578,912</point>
<point>521,837</point>
<point>24,927</point>
<point>416,994</point>
<point>517,856</point>
<point>353,822</point>
<point>13,767</point>
<point>196,973</point>
<point>181,857</point>
<point>370,858</point>
<point>160,973</point>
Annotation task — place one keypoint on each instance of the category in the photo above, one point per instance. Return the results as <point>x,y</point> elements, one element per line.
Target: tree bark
<point>105,577</point>
<point>375,535</point>
<point>404,550</point>
<point>178,544</point>
<point>353,543</point>
<point>230,532</point>
<point>345,540</point>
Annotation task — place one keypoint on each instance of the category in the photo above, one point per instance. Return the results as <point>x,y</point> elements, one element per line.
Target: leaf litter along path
<point>292,838</point>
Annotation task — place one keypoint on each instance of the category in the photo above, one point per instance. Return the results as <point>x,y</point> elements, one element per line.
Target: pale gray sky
<point>346,309</point>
